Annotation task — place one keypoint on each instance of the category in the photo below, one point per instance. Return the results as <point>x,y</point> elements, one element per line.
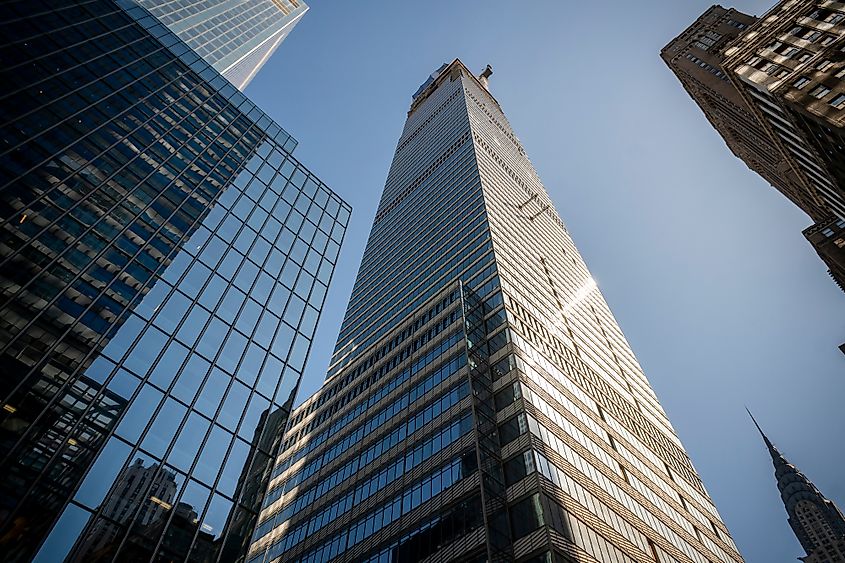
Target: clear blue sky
<point>703,264</point>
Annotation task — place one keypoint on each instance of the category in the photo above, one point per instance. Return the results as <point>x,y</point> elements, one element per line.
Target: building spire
<point>772,449</point>
<point>817,522</point>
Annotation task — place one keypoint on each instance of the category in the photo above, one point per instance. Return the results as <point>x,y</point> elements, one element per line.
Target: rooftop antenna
<point>485,76</point>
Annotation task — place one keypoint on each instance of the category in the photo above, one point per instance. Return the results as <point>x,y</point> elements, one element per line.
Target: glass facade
<point>482,404</point>
<point>236,37</point>
<point>163,262</point>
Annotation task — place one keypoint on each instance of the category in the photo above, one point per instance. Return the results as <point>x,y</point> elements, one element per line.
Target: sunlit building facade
<point>236,37</point>
<point>482,403</point>
<point>163,262</point>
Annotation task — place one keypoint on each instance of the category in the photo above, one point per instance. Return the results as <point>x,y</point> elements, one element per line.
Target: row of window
<point>410,329</point>
<point>610,399</point>
<point>554,414</point>
<point>717,72</point>
<point>442,266</point>
<point>393,241</point>
<point>441,218</point>
<point>383,370</point>
<point>415,494</point>
<point>381,479</point>
<point>412,424</point>
<point>820,92</point>
<point>426,538</point>
<point>617,493</point>
<point>471,270</point>
<point>445,370</point>
<point>437,256</point>
<point>353,466</point>
<point>407,140</point>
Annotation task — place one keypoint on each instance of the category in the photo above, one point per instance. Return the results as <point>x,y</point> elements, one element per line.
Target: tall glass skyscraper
<point>482,404</point>
<point>163,262</point>
<point>236,37</point>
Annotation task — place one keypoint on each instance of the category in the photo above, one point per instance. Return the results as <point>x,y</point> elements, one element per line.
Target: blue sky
<point>703,264</point>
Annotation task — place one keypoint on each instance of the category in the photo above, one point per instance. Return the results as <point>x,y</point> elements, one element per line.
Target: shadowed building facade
<point>236,37</point>
<point>163,262</point>
<point>482,403</point>
<point>818,524</point>
<point>773,88</point>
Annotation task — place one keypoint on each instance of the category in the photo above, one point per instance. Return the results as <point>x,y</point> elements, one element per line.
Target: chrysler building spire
<point>817,522</point>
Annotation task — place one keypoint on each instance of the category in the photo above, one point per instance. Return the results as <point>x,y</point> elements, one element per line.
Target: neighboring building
<point>482,404</point>
<point>163,262</point>
<point>788,68</point>
<point>236,37</point>
<point>828,239</point>
<point>817,522</point>
<point>696,57</point>
<point>773,88</point>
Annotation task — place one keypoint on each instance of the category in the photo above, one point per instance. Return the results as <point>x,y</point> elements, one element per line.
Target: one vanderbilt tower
<point>482,403</point>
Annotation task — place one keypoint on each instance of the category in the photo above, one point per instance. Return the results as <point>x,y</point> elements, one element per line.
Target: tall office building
<point>482,403</point>
<point>236,37</point>
<point>773,88</point>
<point>817,522</point>
<point>163,262</point>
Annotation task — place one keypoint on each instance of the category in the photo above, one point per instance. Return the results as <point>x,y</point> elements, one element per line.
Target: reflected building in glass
<point>163,262</point>
<point>236,37</point>
<point>482,403</point>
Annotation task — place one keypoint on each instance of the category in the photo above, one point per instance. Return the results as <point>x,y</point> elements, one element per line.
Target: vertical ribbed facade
<point>163,262</point>
<point>482,404</point>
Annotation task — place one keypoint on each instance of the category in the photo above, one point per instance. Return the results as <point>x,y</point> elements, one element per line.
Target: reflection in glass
<point>134,378</point>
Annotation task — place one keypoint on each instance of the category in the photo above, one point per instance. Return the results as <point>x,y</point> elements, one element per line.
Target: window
<point>526,516</point>
<point>820,91</point>
<point>834,18</point>
<point>801,82</point>
<point>812,35</point>
<point>838,101</point>
<point>828,39</point>
<point>804,57</point>
<point>736,24</point>
<point>824,65</point>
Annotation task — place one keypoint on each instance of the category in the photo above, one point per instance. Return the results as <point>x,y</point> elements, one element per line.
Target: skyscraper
<point>163,262</point>
<point>482,403</point>
<point>773,88</point>
<point>817,522</point>
<point>236,37</point>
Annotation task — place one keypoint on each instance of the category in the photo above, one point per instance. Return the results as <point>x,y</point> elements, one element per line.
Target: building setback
<point>818,524</point>
<point>236,37</point>
<point>163,262</point>
<point>482,403</point>
<point>773,88</point>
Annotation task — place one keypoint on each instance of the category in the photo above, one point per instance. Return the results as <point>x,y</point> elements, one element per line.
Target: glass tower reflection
<point>236,37</point>
<point>163,262</point>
